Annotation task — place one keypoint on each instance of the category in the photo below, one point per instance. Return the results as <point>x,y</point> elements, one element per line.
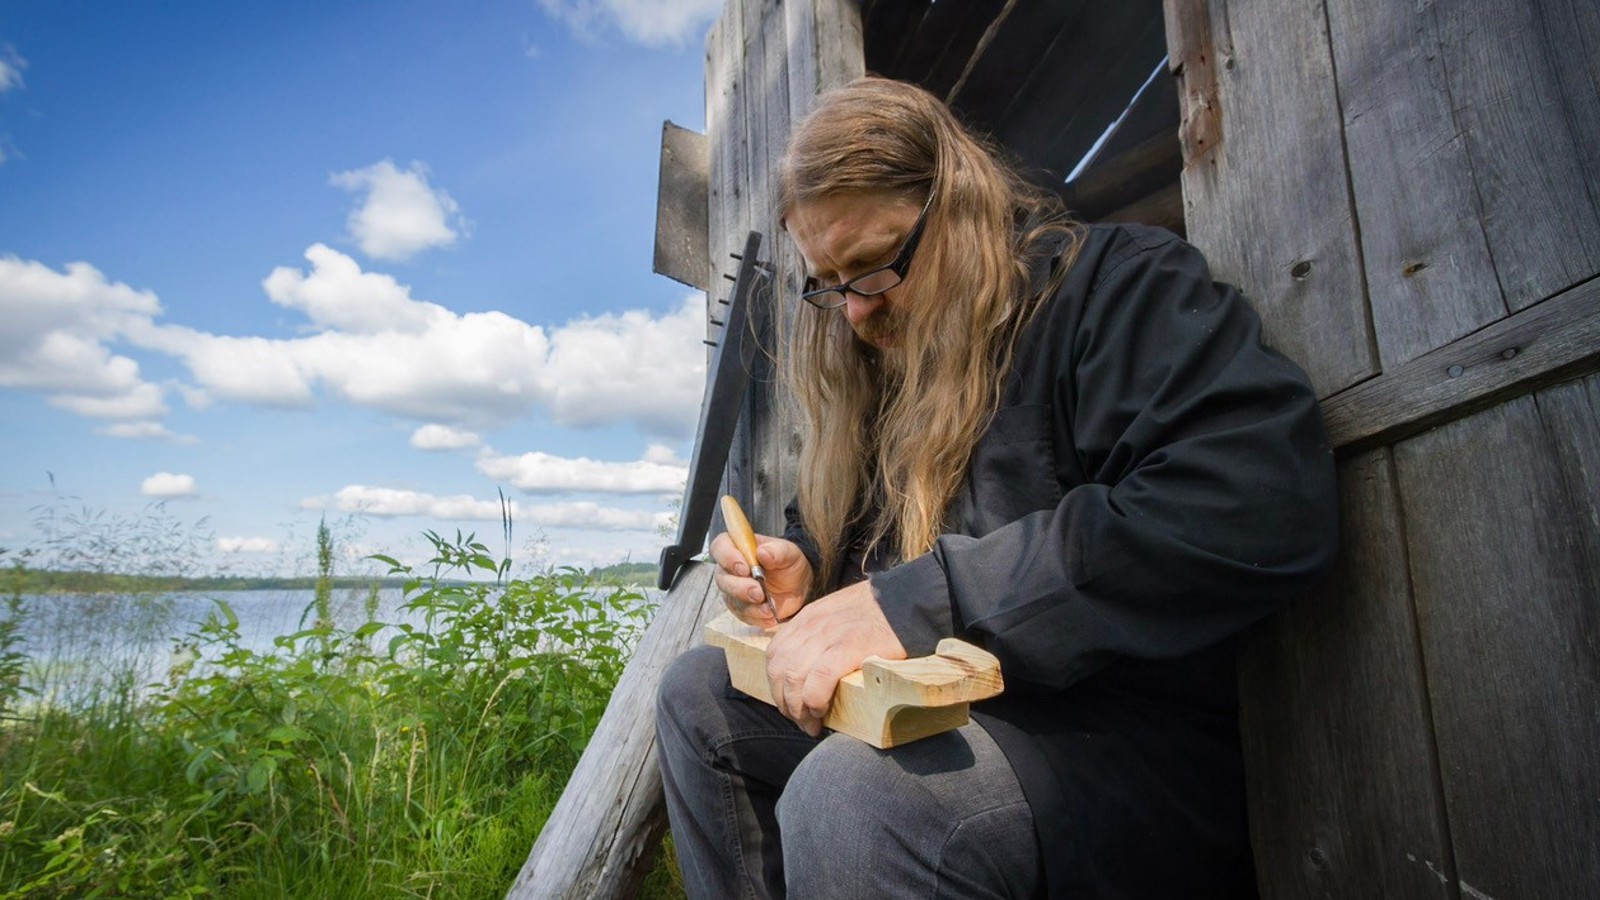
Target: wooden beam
<point>1133,175</point>
<point>681,250</point>
<point>1008,53</point>
<point>1192,60</point>
<point>1556,340</point>
<point>600,838</point>
<point>885,702</point>
<point>1163,208</point>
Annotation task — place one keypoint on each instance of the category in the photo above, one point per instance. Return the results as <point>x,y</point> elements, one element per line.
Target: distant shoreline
<point>44,581</point>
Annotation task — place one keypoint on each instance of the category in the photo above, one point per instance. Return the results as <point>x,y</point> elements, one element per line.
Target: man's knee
<point>940,814</point>
<point>835,795</point>
<point>690,687</point>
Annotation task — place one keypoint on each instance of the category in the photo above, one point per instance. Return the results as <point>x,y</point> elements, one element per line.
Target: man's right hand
<point>788,575</point>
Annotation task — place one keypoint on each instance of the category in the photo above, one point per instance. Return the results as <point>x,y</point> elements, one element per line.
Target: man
<point>1063,443</point>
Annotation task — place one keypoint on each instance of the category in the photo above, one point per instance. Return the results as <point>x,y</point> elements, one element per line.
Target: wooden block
<point>886,702</point>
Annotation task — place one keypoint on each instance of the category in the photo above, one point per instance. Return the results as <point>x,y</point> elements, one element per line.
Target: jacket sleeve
<point>1207,497</point>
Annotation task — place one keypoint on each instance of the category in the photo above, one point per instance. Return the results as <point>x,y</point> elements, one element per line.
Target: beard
<point>880,337</point>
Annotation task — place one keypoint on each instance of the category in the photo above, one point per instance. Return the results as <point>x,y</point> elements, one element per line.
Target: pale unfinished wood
<point>886,702</point>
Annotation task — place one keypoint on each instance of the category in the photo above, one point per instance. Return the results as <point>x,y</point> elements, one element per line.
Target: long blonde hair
<point>885,448</point>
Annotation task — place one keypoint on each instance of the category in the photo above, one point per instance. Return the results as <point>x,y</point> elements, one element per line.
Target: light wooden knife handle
<point>739,530</point>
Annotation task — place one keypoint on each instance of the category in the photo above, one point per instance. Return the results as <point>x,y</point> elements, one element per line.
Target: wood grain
<point>885,703</point>
<point>1430,277</point>
<point>1270,204</point>
<point>1508,65</point>
<point>681,207</point>
<point>1344,795</point>
<point>1557,340</point>
<point>1503,530</point>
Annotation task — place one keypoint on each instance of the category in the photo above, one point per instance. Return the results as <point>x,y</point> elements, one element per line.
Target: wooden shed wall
<point>1411,194</point>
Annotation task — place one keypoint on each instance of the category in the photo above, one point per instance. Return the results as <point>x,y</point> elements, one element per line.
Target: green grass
<point>347,762</point>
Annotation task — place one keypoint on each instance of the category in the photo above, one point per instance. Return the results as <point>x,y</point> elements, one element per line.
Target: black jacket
<point>1153,481</point>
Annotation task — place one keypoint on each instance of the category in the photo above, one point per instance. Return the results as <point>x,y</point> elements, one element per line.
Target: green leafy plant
<point>418,756</point>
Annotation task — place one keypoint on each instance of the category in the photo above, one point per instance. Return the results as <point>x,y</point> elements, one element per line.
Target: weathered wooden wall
<point>765,62</point>
<point>1411,194</point>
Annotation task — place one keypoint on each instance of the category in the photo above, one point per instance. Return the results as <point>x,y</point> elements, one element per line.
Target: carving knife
<point>744,538</point>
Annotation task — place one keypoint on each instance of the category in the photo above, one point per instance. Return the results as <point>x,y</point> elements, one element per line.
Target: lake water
<point>78,640</point>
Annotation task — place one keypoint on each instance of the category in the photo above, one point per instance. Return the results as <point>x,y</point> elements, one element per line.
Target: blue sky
<point>374,262</point>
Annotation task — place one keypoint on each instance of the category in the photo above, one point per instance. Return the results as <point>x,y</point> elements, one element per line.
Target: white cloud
<point>11,66</point>
<point>443,437</point>
<point>391,502</point>
<point>338,296</point>
<point>375,347</point>
<point>630,366</point>
<point>166,484</point>
<point>145,431</point>
<point>247,545</point>
<point>142,401</point>
<point>468,372</point>
<point>650,22</point>
<point>659,472</point>
<point>55,332</point>
<point>388,502</point>
<point>401,214</point>
<point>584,514</point>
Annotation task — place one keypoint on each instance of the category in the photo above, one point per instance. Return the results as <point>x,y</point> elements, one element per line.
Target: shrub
<point>410,758</point>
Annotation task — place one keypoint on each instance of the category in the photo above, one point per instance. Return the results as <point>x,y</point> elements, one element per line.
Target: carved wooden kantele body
<point>885,702</point>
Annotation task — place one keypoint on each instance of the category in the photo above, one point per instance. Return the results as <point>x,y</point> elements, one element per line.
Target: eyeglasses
<point>869,284</point>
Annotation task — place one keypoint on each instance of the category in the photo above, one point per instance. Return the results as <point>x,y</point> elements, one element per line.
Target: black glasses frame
<point>819,296</point>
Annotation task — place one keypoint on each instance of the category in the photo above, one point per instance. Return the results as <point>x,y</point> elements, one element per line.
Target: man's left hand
<point>827,640</point>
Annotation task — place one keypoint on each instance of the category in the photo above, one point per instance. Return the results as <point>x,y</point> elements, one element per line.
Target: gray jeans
<point>758,807</point>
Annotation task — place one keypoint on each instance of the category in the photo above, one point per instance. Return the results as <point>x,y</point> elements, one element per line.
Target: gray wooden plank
<point>1429,276</point>
<point>768,128</point>
<point>1504,62</point>
<point>1344,796</point>
<point>1503,529</point>
<point>838,44</point>
<point>1554,341</point>
<point>681,207</point>
<point>729,212</point>
<point>745,135</point>
<point>1572,28</point>
<point>1269,204</point>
